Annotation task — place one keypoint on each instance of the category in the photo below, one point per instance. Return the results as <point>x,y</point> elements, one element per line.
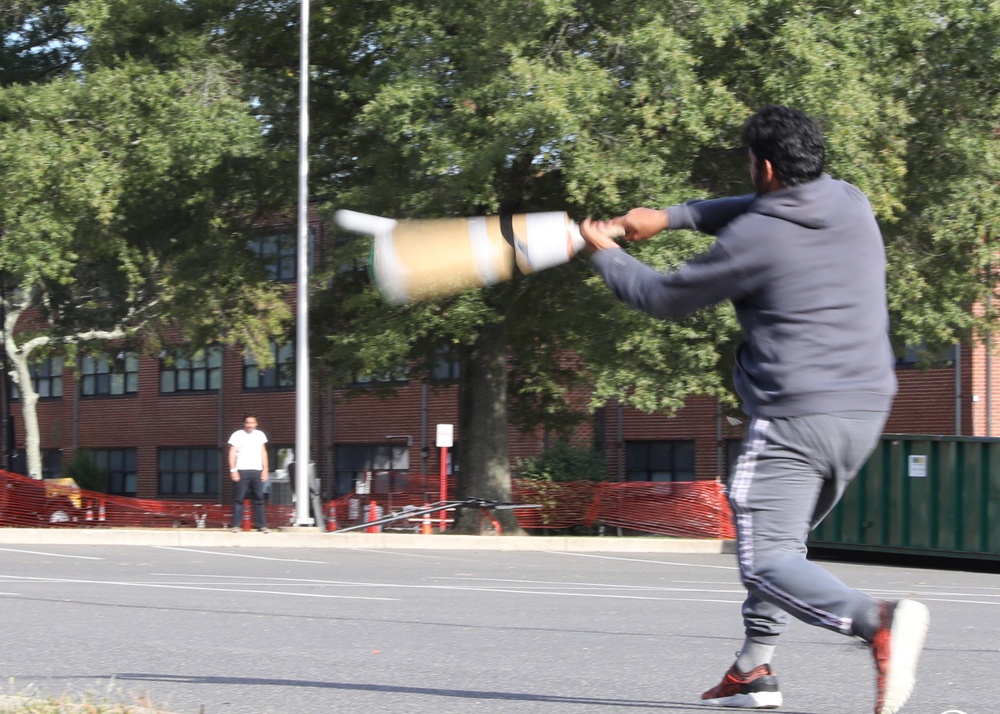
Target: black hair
<point>790,140</point>
<point>249,415</point>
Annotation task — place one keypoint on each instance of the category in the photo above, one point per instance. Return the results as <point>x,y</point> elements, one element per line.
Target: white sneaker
<point>896,648</point>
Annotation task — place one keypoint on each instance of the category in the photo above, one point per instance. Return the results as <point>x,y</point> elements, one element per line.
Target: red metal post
<point>444,488</point>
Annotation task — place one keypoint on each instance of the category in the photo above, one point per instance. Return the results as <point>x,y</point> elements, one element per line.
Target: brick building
<point>159,425</point>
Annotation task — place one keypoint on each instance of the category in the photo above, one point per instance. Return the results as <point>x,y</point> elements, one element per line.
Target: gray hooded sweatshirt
<point>805,269</point>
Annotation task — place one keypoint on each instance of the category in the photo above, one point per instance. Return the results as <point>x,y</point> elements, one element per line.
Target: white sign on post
<point>445,435</point>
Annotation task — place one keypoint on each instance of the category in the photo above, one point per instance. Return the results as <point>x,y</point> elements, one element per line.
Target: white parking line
<point>238,555</point>
<point>930,594</point>
<point>27,579</point>
<point>640,560</point>
<point>380,551</point>
<point>599,586</point>
<point>964,602</point>
<point>54,555</point>
<point>456,588</point>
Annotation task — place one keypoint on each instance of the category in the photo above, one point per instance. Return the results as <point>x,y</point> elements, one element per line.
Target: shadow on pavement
<point>426,691</point>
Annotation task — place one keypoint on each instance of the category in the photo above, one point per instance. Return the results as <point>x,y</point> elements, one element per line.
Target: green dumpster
<point>933,495</point>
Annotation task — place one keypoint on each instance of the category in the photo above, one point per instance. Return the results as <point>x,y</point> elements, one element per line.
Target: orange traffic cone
<point>246,517</point>
<point>331,519</point>
<point>425,525</point>
<point>90,510</point>
<point>372,516</point>
<point>102,514</point>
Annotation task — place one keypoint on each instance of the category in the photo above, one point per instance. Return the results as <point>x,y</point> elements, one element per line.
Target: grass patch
<point>73,705</point>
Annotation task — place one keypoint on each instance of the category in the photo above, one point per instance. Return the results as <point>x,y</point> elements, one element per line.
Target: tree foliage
<point>465,108</point>
<point>468,108</point>
<point>37,40</point>
<point>132,170</point>
<point>562,463</point>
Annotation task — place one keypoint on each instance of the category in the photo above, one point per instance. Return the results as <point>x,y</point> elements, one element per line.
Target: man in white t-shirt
<point>248,469</point>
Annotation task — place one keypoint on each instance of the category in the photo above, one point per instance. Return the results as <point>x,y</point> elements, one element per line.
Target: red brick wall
<point>359,417</point>
<point>928,400</point>
<point>149,420</point>
<point>699,420</point>
<point>925,402</point>
<point>984,388</point>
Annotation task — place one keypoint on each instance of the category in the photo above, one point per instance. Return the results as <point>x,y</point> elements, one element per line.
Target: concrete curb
<point>311,538</point>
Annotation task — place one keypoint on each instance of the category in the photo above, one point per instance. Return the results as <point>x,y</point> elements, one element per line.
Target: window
<point>445,367</point>
<point>280,374</point>
<point>279,457</point>
<point>913,356</point>
<point>109,374</point>
<point>659,460</point>
<point>189,472</point>
<point>279,254</point>
<point>120,467</point>
<point>198,372</point>
<point>47,378</point>
<point>280,462</point>
<point>400,374</point>
<point>389,464</point>
<point>51,463</point>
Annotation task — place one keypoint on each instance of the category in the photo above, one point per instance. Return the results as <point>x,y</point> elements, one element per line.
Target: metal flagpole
<point>302,423</point>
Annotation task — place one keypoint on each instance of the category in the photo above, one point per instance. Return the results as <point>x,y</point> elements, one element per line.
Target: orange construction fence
<point>60,503</point>
<point>692,509</point>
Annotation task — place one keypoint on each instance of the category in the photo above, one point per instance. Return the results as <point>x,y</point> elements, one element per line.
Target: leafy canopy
<point>132,173</point>
<point>464,108</point>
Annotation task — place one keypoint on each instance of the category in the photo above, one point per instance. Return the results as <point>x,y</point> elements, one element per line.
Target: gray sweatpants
<point>790,474</point>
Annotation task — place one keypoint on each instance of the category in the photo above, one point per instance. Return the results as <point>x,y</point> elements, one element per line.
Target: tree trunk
<point>21,374</point>
<point>483,463</point>
<point>20,356</point>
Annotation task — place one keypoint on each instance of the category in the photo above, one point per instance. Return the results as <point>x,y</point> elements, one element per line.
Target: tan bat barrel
<point>429,259</point>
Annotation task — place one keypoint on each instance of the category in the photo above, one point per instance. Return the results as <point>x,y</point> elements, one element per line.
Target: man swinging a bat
<point>803,262</point>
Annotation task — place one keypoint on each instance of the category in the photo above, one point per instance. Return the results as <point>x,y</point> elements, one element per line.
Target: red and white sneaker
<point>757,689</point>
<point>896,648</point>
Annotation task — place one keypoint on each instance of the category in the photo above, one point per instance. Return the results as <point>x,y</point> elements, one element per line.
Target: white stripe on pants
<point>791,472</point>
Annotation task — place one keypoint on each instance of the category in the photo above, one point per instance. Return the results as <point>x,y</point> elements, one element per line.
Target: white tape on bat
<point>364,222</point>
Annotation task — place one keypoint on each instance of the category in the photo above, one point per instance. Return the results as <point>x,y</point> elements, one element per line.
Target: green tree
<point>943,248</point>
<point>131,177</point>
<point>466,108</point>
<point>37,40</point>
<point>562,463</point>
<point>88,474</point>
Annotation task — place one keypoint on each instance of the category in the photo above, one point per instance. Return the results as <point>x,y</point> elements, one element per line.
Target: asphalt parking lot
<point>255,630</point>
